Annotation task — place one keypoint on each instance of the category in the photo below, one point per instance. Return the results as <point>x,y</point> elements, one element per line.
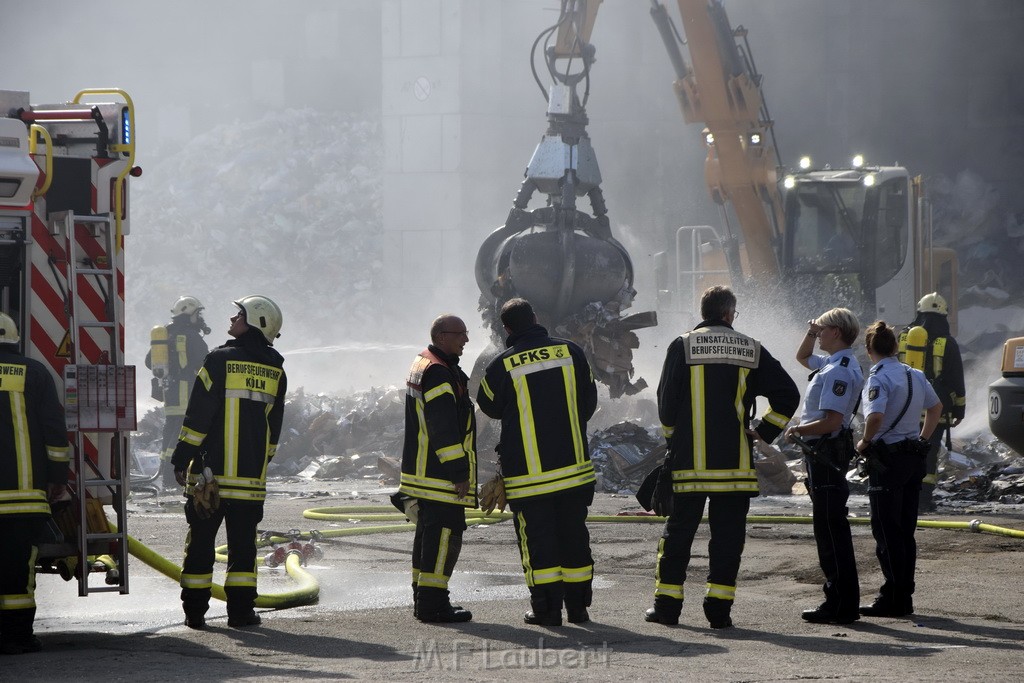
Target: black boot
<point>546,610</point>
<point>717,612</point>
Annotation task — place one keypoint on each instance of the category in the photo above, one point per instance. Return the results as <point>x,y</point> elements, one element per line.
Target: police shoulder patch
<point>872,393</point>
<point>839,388</point>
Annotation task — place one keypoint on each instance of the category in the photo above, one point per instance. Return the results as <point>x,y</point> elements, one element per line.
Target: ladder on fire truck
<point>96,393</point>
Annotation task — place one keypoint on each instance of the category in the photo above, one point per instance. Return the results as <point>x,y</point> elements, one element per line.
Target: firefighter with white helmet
<point>176,353</point>
<point>34,458</point>
<point>928,345</point>
<point>231,429</point>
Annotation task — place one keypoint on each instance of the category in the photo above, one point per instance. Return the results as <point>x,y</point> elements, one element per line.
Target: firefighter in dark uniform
<point>34,457</point>
<point>438,480</point>
<point>829,404</point>
<point>895,444</point>
<point>706,398</point>
<point>928,346</point>
<point>177,351</point>
<point>543,391</point>
<point>232,427</point>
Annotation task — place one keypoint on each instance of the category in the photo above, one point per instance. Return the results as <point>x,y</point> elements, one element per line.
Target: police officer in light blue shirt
<point>828,408</point>
<point>895,395</point>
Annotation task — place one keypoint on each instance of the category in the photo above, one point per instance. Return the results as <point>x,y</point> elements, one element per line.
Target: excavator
<point>565,261</point>
<point>858,236</point>
<point>807,239</point>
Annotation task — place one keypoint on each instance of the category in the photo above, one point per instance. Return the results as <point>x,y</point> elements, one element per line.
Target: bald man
<point>438,467</point>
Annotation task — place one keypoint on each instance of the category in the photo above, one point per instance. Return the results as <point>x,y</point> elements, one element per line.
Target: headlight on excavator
<point>755,139</point>
<point>789,182</point>
<point>709,138</point>
<point>858,160</point>
<point>805,163</point>
<point>869,180</point>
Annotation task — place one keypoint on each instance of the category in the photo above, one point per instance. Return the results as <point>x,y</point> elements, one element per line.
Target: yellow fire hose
<point>380,513</point>
<point>306,593</point>
<point>308,590</point>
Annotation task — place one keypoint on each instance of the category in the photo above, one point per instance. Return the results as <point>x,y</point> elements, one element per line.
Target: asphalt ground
<point>969,621</point>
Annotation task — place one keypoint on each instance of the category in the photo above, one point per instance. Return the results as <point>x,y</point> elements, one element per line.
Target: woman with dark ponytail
<point>895,444</point>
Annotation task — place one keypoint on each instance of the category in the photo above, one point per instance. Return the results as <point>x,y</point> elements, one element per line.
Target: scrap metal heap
<point>564,261</point>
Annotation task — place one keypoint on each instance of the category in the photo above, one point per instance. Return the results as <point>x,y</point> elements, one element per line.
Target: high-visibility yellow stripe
<point>578,574</point>
<point>524,550</point>
<point>930,479</point>
<point>547,575</point>
<point>429,580</point>
<point>569,378</point>
<point>191,436</point>
<point>487,389</point>
<point>196,580</point>
<point>777,419</point>
<point>449,453</point>
<point>442,551</point>
<point>231,409</point>
<point>744,441</point>
<point>671,590</point>
<point>422,440</point>
<point>240,580</point>
<point>439,390</point>
<point>720,591</point>
<point>531,451</point>
<point>22,442</point>
<point>20,601</point>
<point>58,453</point>
<point>697,416</point>
<point>715,487</point>
<point>204,377</point>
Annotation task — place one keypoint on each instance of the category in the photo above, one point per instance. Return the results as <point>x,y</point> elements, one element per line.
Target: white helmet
<point>263,314</point>
<point>932,303</point>
<point>186,305</point>
<point>8,330</point>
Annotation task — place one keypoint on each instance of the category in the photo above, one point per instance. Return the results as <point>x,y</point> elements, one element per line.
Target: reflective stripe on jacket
<point>440,431</point>
<point>543,391</point>
<point>233,421</point>
<point>34,450</point>
<point>706,396</point>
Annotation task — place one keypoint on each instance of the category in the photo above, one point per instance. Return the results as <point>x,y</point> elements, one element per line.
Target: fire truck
<point>64,207</point>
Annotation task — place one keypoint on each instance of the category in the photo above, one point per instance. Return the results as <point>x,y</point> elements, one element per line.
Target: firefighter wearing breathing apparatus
<point>34,457</point>
<point>928,346</point>
<point>230,433</point>
<point>176,352</point>
<point>438,480</point>
<point>543,391</point>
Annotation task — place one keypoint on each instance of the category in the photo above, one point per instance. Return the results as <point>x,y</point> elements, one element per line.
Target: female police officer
<point>829,404</point>
<point>895,444</point>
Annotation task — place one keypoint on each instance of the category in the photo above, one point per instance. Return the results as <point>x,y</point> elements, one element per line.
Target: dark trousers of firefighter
<point>727,519</point>
<point>18,577</point>
<point>829,493</point>
<point>435,550</point>
<point>893,495</point>
<point>554,546</point>
<point>240,520</point>
<point>931,469</point>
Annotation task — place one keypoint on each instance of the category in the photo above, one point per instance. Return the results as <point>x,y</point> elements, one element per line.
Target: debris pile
<point>623,454</point>
<point>360,436</point>
<point>980,470</point>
